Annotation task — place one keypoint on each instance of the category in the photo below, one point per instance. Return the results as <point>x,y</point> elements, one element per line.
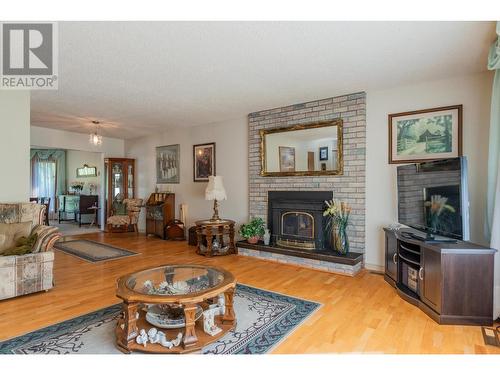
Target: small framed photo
<point>427,134</point>
<point>287,159</point>
<point>323,166</point>
<point>203,161</point>
<point>323,153</point>
<point>168,164</point>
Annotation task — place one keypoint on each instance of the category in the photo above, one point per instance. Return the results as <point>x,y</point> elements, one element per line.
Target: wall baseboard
<point>374,267</point>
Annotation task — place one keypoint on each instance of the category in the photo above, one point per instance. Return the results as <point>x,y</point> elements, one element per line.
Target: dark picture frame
<point>204,164</point>
<point>426,134</point>
<point>323,153</point>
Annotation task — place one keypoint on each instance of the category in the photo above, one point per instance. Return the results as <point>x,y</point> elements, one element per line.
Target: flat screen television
<point>433,197</point>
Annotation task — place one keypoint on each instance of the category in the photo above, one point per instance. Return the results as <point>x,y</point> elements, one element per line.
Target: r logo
<point>27,49</point>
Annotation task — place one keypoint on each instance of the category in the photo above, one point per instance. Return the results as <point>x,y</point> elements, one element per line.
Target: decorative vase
<point>253,240</point>
<point>266,237</point>
<point>340,241</point>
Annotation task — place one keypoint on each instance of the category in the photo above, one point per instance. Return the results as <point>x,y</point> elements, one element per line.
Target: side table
<point>219,235</point>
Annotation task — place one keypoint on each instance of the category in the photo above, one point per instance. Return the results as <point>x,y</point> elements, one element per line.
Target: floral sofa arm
<point>47,236</point>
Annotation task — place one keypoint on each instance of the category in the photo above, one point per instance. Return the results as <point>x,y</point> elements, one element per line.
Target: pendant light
<point>95,138</point>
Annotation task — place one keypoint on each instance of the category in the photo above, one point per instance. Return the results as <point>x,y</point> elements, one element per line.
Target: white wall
<point>76,159</point>
<point>231,138</point>
<point>474,92</point>
<point>14,145</point>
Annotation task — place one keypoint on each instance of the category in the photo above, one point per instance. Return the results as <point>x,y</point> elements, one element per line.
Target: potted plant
<point>77,186</point>
<point>253,231</point>
<point>337,214</point>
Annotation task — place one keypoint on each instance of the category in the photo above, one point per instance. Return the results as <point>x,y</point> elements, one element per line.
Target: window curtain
<point>44,179</point>
<point>493,204</point>
<point>48,174</point>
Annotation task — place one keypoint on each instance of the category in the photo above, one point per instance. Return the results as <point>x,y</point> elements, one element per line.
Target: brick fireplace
<point>349,187</point>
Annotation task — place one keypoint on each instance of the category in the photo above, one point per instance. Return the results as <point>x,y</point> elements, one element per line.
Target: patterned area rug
<point>92,251</point>
<point>264,319</point>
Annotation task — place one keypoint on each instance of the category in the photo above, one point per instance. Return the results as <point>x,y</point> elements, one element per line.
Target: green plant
<point>77,185</point>
<point>255,228</point>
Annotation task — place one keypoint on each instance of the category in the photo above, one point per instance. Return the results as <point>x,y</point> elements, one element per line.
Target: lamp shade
<point>215,189</point>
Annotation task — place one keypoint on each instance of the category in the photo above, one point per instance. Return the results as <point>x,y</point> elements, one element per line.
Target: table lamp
<point>215,192</point>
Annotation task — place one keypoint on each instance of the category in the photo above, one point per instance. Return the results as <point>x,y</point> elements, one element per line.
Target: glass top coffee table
<point>171,298</point>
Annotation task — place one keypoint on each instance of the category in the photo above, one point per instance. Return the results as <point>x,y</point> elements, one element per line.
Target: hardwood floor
<point>359,314</point>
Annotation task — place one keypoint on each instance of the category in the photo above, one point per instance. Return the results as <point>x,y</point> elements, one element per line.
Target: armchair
<point>32,272</point>
<point>120,222</point>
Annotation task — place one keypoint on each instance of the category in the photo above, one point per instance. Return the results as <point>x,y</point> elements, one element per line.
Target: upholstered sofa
<point>32,272</point>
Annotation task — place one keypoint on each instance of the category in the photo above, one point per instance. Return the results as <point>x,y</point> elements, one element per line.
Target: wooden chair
<point>86,201</point>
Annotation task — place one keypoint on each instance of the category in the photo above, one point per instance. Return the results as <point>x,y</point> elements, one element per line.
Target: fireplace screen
<point>298,224</point>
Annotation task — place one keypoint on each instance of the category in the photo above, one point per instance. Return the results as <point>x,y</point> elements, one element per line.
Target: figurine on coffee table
<point>209,322</point>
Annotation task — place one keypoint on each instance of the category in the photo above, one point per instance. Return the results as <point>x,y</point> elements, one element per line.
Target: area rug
<point>264,319</point>
<point>92,251</point>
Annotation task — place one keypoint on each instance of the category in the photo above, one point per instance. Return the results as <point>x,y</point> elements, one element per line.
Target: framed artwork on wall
<point>203,161</point>
<point>323,153</point>
<point>427,134</point>
<point>287,159</point>
<point>168,164</point>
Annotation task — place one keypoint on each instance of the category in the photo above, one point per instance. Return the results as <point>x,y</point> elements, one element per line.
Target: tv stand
<point>430,238</point>
<point>452,282</point>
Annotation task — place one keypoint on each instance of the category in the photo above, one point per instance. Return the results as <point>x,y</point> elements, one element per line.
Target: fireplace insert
<point>296,220</point>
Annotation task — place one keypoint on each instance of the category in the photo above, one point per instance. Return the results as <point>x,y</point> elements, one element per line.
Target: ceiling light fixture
<point>95,138</point>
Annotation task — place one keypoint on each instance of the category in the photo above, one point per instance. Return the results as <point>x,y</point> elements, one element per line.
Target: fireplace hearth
<point>296,221</point>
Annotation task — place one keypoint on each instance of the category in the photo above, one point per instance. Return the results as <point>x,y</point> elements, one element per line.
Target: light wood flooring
<point>360,314</point>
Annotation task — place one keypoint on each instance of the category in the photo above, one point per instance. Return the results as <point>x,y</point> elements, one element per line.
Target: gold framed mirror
<point>86,171</point>
<point>314,149</point>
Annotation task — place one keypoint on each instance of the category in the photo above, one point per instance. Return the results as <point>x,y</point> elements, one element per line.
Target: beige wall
<point>231,158</point>
<point>474,92</point>
<point>14,145</point>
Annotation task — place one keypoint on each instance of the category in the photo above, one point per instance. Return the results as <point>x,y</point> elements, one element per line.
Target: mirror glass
<point>303,150</point>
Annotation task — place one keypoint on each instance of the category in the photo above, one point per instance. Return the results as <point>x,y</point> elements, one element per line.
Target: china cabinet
<point>120,181</point>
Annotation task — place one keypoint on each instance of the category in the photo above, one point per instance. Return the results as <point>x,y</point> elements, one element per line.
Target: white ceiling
<point>141,77</point>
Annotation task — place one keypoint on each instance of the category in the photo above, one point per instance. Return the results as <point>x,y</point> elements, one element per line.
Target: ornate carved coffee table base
<point>194,338</point>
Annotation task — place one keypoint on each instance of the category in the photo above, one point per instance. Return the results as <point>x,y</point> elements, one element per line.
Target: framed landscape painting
<point>427,134</point>
<point>287,159</point>
<point>167,164</point>
<point>203,162</point>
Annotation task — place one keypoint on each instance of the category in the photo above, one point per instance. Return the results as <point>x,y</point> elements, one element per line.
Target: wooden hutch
<point>160,211</point>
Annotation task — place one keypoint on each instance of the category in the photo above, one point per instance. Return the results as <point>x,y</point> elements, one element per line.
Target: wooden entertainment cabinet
<point>450,282</point>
